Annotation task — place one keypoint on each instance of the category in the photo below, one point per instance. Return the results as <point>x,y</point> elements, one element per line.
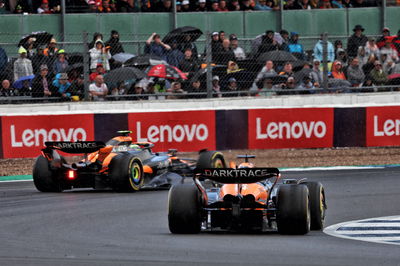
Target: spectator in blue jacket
<point>295,47</point>
<point>318,48</point>
<point>62,85</point>
<point>262,5</point>
<point>154,46</point>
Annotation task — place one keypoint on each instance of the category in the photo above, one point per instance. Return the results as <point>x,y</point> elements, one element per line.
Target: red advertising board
<point>383,126</point>
<point>185,131</point>
<point>290,128</point>
<point>24,136</point>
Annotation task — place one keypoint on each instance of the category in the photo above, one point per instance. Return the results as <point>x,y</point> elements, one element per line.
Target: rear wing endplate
<point>75,147</point>
<point>236,175</point>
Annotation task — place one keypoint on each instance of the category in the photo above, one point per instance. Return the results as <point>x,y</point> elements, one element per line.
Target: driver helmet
<point>134,147</point>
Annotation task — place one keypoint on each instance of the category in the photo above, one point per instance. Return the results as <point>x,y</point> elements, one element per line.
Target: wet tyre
<point>44,178</point>
<point>293,211</point>
<point>184,209</point>
<point>317,204</point>
<point>126,173</point>
<point>211,159</point>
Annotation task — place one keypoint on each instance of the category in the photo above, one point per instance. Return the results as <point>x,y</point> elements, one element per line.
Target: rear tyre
<point>184,209</point>
<point>126,173</point>
<point>293,214</point>
<point>44,178</point>
<point>211,159</point>
<point>317,204</point>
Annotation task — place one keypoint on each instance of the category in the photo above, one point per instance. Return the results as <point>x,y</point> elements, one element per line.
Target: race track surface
<point>88,227</point>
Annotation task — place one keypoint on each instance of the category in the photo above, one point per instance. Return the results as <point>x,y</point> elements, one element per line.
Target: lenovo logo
<point>389,127</point>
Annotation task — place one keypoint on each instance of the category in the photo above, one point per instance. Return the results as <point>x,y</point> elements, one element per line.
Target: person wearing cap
<point>240,54</point>
<point>389,51</point>
<point>114,44</point>
<point>99,71</point>
<point>354,73</point>
<point>176,88</point>
<point>231,88</point>
<point>371,47</point>
<point>155,46</point>
<point>22,66</point>
<point>246,5</point>
<point>92,6</point>
<point>268,43</point>
<point>216,87</point>
<point>380,42</point>
<point>378,76</point>
<point>61,63</point>
<point>98,90</point>
<point>41,83</point>
<point>201,6</point>
<point>337,70</point>
<point>318,49</point>
<point>356,40</point>
<point>195,87</point>
<point>51,50</point>
<point>62,86</point>
<point>78,88</point>
<point>185,7</point>
<point>39,59</point>
<point>99,55</point>
<point>44,8</point>
<point>295,47</point>
<point>189,64</point>
<point>396,42</point>
<point>284,46</point>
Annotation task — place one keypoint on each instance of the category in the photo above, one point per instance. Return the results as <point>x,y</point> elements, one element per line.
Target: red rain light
<point>71,174</point>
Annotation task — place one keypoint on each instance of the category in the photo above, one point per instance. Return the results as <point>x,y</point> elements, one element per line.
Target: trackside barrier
<point>23,136</point>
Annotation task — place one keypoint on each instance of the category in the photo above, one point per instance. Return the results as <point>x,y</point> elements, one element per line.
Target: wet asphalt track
<point>107,228</point>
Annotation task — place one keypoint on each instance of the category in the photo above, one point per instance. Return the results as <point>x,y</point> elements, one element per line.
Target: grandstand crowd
<point>275,64</point>
<point>110,6</point>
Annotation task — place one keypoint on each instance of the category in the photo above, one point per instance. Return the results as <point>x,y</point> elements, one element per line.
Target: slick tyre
<point>317,204</point>
<point>184,209</point>
<point>126,173</point>
<point>211,159</point>
<point>293,214</point>
<point>44,178</point>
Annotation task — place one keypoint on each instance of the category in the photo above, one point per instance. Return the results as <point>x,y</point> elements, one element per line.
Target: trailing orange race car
<point>245,198</point>
<point>120,164</point>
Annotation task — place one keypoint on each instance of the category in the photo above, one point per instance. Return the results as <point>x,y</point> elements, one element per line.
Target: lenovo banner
<point>383,126</point>
<point>290,128</point>
<point>185,131</point>
<point>24,136</point>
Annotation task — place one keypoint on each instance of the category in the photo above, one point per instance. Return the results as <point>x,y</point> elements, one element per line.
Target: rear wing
<point>237,176</point>
<point>75,147</point>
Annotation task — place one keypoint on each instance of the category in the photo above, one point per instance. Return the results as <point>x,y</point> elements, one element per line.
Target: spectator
<point>222,6</point>
<point>78,88</point>
<point>302,4</point>
<point>187,43</point>
<point>51,50</point>
<point>338,45</point>
<point>99,71</point>
<point>3,60</point>
<point>202,7</point>
<point>226,54</point>
<point>3,8</point>
<point>41,84</point>
<point>372,48</point>
<point>396,42</point>
<point>6,89</point>
<point>96,37</point>
<point>216,45</point>
<point>165,6</point>
<point>22,66</point>
<point>185,6</point>
<point>216,87</point>
<point>44,8</point>
<point>369,65</point>
<point>113,5</point>
<point>380,42</point>
<point>389,67</point>
<point>39,59</point>
<point>175,56</point>
<point>221,36</point>
<point>391,53</point>
<point>338,4</point>
<point>232,67</point>
<point>99,55</point>
<point>316,73</point>
<point>238,51</point>
<point>234,5</point>
<point>261,5</point>
<point>62,85</point>
<point>176,88</point>
<point>347,3</point>
<point>378,76</point>
<point>114,44</point>
<point>30,52</point>
<point>356,40</point>
<point>360,3</point>
<point>137,91</point>
<point>61,63</point>
<point>126,6</point>
<point>289,85</point>
<point>337,71</point>
<point>272,5</point>
<point>355,75</point>
<point>232,88</point>
<point>245,5</point>
<point>92,6</point>
<point>189,63</point>
<point>214,6</point>
<point>154,46</point>
<point>285,40</point>
<point>268,43</point>
<point>267,88</point>
<point>318,50</point>
<point>18,10</point>
<point>342,57</point>
<point>196,88</point>
<point>362,57</point>
<point>287,70</point>
<point>98,90</point>
<point>105,7</point>
<point>267,71</point>
<point>289,5</point>
<point>306,86</point>
<point>295,47</point>
<point>326,4</point>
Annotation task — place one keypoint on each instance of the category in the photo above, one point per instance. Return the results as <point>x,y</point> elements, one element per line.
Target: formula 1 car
<point>245,198</point>
<point>119,164</point>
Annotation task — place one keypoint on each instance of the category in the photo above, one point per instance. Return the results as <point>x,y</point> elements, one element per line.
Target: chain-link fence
<point>187,63</point>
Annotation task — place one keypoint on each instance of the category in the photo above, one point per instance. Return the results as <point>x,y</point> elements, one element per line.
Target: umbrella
<point>299,75</point>
<point>42,38</point>
<point>338,83</point>
<point>75,58</point>
<point>276,79</point>
<point>19,83</point>
<point>144,60</point>
<point>124,73</point>
<point>179,34</point>
<point>77,66</point>
<point>122,57</point>
<point>216,70</point>
<point>277,56</point>
<point>166,72</point>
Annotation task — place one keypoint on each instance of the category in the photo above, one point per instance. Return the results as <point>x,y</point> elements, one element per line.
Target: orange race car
<point>120,164</point>
<point>245,198</point>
